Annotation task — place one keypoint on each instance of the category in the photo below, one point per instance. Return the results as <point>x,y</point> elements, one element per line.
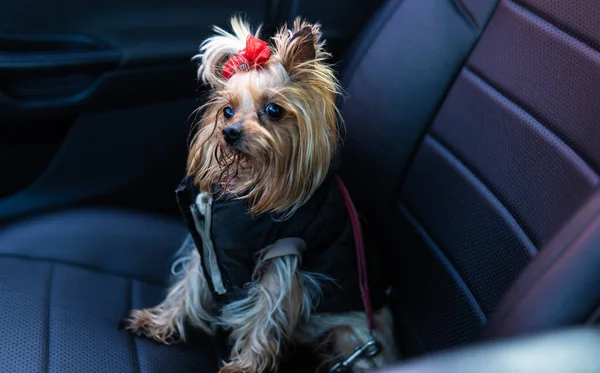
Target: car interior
<point>471,148</point>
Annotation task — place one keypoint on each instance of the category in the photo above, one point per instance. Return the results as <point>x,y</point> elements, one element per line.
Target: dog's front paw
<point>152,323</point>
<point>234,368</point>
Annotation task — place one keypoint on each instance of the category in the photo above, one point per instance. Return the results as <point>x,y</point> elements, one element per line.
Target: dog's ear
<point>300,45</point>
<point>303,46</point>
<point>216,51</point>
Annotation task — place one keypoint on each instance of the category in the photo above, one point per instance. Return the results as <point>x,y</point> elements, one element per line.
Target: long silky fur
<point>215,50</point>
<point>285,168</point>
<point>262,324</point>
<point>188,301</point>
<point>278,172</point>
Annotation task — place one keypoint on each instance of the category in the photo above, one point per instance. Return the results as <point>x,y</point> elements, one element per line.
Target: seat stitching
<point>136,356</point>
<point>570,153</point>
<point>466,13</point>
<point>573,34</point>
<point>447,89</point>
<point>505,316</point>
<point>595,317</point>
<point>361,51</point>
<point>554,130</point>
<point>48,320</point>
<point>484,189</point>
<point>445,260</point>
<point>82,266</point>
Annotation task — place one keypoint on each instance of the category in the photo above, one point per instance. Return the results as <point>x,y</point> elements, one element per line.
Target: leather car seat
<point>472,140</point>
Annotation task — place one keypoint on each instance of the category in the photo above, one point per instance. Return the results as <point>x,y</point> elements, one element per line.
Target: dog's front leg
<point>262,324</point>
<point>188,300</point>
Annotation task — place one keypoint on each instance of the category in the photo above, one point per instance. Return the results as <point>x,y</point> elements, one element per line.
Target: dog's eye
<point>228,112</point>
<point>274,111</point>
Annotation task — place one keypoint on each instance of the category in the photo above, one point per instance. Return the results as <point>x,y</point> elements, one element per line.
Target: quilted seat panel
<point>60,309</point>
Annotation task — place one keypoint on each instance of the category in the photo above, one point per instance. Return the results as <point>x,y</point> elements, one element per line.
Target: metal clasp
<point>369,350</point>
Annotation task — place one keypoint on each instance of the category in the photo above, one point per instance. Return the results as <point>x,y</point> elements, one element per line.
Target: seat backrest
<point>473,135</point>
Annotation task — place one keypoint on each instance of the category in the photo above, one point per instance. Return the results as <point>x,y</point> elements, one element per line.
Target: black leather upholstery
<point>401,73</point>
<point>466,185</point>
<point>66,281</point>
<point>561,285</point>
<point>469,146</point>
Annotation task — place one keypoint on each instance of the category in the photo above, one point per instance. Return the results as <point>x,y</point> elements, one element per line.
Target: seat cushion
<point>560,286</point>
<point>67,280</point>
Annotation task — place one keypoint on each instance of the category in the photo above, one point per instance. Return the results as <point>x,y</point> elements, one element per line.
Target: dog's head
<point>269,129</point>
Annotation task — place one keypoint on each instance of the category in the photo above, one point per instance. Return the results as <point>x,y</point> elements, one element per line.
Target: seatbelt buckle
<point>369,350</point>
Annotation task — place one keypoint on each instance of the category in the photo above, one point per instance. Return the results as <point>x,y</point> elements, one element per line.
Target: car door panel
<point>108,85</point>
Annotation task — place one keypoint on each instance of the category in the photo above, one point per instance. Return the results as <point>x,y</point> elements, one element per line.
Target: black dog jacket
<point>229,241</point>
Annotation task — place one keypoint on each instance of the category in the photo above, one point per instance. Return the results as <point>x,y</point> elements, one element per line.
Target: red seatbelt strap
<point>360,254</point>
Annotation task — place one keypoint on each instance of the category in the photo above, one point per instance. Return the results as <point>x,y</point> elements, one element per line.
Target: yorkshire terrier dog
<point>270,259</point>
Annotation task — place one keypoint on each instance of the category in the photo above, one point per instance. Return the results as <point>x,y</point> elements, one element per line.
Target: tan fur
<point>188,300</point>
<point>262,325</point>
<point>276,314</point>
<point>344,332</point>
<point>277,167</point>
<point>280,164</point>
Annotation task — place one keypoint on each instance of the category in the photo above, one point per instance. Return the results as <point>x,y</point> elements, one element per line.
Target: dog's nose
<point>232,133</point>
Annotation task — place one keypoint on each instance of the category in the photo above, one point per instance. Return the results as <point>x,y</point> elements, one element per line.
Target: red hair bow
<point>255,54</point>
